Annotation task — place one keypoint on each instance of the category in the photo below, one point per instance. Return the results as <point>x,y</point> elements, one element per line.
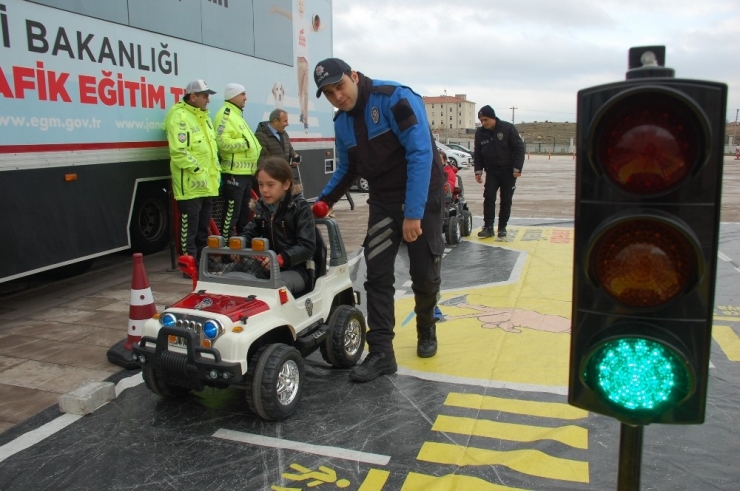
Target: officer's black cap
<point>329,71</point>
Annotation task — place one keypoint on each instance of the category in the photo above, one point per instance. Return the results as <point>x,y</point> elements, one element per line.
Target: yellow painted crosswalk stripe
<point>450,482</point>
<point>532,462</point>
<point>728,341</point>
<point>570,435</point>
<point>375,480</point>
<point>515,406</point>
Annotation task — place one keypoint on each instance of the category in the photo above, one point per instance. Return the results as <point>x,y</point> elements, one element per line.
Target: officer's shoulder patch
<point>404,114</point>
<point>227,110</point>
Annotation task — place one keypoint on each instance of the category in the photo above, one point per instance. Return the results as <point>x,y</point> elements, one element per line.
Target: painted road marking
<point>375,480</point>
<point>571,435</point>
<point>33,437</point>
<point>514,332</point>
<point>42,432</point>
<point>415,481</point>
<point>527,461</point>
<point>326,451</point>
<point>728,341</point>
<point>515,406</point>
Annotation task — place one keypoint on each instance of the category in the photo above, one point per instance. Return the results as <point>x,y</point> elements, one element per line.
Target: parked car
<point>456,158</point>
<point>457,146</point>
<point>361,185</point>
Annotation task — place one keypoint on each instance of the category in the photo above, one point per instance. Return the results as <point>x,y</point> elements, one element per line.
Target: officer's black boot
<point>426,345</point>
<point>485,232</point>
<point>374,365</point>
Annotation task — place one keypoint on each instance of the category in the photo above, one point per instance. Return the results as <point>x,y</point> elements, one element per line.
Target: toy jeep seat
<point>316,266</point>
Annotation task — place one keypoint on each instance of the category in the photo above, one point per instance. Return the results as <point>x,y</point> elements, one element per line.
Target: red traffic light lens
<point>648,142</point>
<point>644,262</point>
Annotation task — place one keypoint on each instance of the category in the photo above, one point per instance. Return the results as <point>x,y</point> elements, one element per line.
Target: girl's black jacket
<point>290,230</point>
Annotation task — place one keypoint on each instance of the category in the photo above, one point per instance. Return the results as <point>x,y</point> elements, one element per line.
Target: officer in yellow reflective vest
<point>194,165</point>
<point>238,151</point>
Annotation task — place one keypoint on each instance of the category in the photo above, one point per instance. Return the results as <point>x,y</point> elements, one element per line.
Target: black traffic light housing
<point>648,169</point>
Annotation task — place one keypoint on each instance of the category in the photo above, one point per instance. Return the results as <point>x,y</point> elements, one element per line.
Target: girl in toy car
<point>286,220</point>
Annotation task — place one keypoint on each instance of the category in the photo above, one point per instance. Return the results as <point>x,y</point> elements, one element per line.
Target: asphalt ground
<point>488,412</point>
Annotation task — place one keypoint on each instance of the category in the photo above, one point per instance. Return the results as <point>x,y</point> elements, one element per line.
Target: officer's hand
<point>411,229</point>
<point>517,174</point>
<point>478,178</point>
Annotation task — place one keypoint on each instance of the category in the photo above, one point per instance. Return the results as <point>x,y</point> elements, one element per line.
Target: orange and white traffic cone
<point>141,309</point>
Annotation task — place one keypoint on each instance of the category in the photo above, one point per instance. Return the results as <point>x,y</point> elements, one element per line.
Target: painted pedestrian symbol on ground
<point>508,319</point>
<point>324,475</point>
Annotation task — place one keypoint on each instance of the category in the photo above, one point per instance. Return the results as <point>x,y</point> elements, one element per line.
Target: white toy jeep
<point>243,327</point>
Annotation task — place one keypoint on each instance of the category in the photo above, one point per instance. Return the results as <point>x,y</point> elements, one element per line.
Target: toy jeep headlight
<point>168,320</point>
<point>211,329</point>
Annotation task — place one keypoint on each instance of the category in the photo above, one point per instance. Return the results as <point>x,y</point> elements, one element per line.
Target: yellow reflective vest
<point>238,149</point>
<point>193,152</point>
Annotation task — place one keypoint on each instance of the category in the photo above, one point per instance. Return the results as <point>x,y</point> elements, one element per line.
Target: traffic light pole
<point>630,457</point>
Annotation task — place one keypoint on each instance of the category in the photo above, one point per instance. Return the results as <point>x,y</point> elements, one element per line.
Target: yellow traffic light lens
<point>648,142</point>
<point>638,374</point>
<point>643,262</point>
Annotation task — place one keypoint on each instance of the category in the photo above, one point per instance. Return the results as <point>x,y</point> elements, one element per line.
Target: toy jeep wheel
<point>453,230</point>
<point>275,381</point>
<point>467,223</point>
<point>155,382</point>
<point>343,348</point>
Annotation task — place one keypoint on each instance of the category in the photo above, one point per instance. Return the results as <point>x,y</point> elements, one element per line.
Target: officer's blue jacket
<point>386,139</point>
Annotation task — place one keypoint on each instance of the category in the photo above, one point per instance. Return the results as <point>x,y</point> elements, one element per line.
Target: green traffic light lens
<point>638,374</point>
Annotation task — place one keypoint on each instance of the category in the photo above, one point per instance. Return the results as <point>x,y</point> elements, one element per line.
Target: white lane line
<point>334,452</point>
<point>129,382</point>
<point>42,432</point>
<point>33,437</point>
<point>723,257</point>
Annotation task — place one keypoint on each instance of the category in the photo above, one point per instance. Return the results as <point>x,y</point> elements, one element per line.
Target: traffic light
<point>648,184</point>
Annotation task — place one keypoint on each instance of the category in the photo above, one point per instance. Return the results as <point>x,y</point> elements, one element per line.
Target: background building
<point>450,112</point>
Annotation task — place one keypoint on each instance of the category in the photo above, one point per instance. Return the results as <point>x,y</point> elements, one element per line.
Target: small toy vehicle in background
<point>458,220</point>
<point>242,327</point>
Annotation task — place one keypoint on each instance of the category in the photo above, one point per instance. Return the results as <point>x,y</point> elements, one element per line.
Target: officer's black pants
<point>195,215</point>
<point>384,236</point>
<point>237,191</point>
<point>506,182</point>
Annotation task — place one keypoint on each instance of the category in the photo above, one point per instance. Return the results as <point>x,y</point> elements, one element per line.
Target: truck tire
<point>275,379</point>
<point>150,222</point>
<point>344,346</point>
<point>155,382</point>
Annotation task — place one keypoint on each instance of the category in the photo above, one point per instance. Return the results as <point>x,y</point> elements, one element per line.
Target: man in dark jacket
<point>499,151</point>
<point>382,134</point>
<point>276,143</point>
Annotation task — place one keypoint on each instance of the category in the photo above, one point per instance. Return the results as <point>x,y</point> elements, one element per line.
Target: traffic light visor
<point>648,140</point>
<point>638,374</point>
<point>643,262</point>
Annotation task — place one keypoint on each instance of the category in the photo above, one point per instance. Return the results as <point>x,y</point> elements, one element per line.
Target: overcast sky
<point>534,54</point>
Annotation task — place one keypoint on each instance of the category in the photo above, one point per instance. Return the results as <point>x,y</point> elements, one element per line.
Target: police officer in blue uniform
<point>382,135</point>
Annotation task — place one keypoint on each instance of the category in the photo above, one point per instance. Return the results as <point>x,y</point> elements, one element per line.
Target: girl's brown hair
<point>278,169</point>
